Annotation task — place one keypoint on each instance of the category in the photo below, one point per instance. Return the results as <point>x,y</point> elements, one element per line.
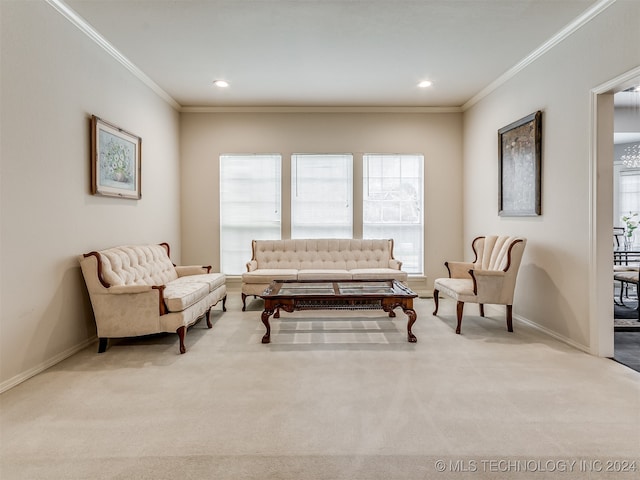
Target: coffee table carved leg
<point>266,338</point>
<point>412,319</point>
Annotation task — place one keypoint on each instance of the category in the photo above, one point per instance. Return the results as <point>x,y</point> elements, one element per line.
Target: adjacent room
<point>401,139</point>
<point>626,187</point>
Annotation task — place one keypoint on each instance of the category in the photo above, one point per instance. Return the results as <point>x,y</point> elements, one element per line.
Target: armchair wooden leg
<point>509,318</point>
<point>459,309</point>
<point>207,315</point>
<point>181,331</point>
<point>481,305</point>
<point>435,301</point>
<point>224,304</point>
<point>244,300</point>
<point>102,346</point>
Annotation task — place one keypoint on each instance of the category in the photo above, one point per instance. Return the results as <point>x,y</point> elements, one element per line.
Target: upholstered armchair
<point>490,278</point>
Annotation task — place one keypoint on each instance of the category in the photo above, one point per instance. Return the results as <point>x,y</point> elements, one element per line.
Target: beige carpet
<point>338,395</point>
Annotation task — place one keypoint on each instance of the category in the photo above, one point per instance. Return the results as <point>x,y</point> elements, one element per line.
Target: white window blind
<point>321,196</point>
<point>250,201</point>
<point>629,193</point>
<point>393,205</point>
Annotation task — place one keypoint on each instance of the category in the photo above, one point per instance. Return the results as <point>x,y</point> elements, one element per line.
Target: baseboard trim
<point>553,334</point>
<point>32,372</point>
<point>543,329</point>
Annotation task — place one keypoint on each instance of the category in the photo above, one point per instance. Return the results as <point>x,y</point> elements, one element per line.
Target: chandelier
<point>631,156</point>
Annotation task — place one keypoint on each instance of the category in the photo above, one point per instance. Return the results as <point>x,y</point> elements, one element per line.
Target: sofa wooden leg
<point>102,345</point>
<point>435,301</point>
<point>224,304</point>
<point>208,317</point>
<point>459,309</point>
<point>481,305</point>
<point>510,318</point>
<point>244,302</point>
<point>181,331</point>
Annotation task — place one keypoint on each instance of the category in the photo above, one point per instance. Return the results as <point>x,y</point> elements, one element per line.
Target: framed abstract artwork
<point>519,167</point>
<point>116,161</point>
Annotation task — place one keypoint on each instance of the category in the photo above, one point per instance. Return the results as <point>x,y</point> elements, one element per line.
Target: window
<point>321,196</point>
<point>392,205</point>
<point>250,187</point>
<point>321,202</point>
<point>629,196</point>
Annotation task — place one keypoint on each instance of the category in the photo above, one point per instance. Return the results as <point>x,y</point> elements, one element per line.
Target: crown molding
<point>87,29</point>
<point>316,109</point>
<point>61,7</point>
<point>567,31</point>
<point>620,83</point>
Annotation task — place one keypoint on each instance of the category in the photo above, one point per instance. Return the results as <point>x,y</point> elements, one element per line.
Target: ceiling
<point>326,53</point>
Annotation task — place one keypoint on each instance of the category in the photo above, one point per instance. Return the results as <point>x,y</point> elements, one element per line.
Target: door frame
<point>601,211</point>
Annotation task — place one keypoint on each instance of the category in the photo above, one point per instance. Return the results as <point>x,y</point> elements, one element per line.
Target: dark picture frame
<point>519,167</point>
<point>116,161</point>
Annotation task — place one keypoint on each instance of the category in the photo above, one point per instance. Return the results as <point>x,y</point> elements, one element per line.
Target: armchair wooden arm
<point>186,270</point>
<point>458,269</point>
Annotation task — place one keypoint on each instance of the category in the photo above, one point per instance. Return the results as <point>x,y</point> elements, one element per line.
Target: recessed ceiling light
<point>424,84</point>
<point>221,83</point>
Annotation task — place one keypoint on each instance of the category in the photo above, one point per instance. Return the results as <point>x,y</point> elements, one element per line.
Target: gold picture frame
<point>116,161</point>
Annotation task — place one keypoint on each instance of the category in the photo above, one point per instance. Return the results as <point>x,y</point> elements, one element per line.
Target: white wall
<point>553,285</point>
<point>53,79</point>
<point>438,136</point>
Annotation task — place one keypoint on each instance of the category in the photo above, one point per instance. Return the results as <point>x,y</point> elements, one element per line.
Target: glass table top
<point>329,288</point>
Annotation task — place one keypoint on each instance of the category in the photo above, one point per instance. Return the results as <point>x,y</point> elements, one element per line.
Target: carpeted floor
<point>336,395</point>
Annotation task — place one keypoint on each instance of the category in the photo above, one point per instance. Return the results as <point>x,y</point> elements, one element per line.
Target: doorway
<point>603,152</point>
<point>626,215</point>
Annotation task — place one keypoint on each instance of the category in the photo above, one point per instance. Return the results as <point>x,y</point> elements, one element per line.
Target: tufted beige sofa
<point>137,290</point>
<point>319,259</point>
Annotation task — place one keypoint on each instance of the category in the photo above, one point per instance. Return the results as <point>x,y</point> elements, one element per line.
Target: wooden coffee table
<point>290,295</point>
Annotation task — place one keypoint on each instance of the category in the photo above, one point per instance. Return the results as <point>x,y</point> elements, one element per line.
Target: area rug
<point>626,316</point>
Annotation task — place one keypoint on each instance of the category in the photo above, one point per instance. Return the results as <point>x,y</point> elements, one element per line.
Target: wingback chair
<point>490,278</point>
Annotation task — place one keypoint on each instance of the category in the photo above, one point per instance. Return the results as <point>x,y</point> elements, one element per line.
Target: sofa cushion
<point>214,280</point>
<point>460,289</point>
<point>379,274</point>
<point>137,265</point>
<point>332,253</point>
<point>324,274</point>
<point>179,296</point>
<point>266,275</point>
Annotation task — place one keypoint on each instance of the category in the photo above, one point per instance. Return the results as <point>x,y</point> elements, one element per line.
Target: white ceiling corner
<point>315,55</point>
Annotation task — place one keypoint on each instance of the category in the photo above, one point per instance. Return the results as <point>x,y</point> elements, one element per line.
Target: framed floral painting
<point>116,158</point>
<point>519,167</point>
